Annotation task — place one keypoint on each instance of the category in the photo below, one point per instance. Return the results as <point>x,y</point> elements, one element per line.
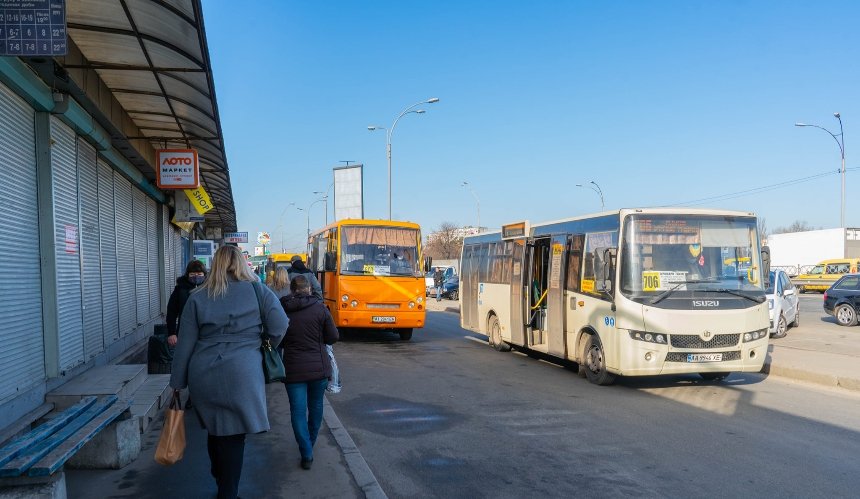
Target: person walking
<point>195,274</point>
<point>220,362</point>
<point>297,267</point>
<point>306,362</point>
<point>280,284</point>
<point>438,282</point>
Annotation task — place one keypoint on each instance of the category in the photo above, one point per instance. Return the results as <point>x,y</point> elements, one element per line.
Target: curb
<point>361,472</point>
<point>818,378</point>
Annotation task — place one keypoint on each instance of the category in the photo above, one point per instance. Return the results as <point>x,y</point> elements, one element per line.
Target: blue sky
<point>660,103</point>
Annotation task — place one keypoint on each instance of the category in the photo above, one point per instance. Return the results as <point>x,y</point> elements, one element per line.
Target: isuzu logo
<point>706,303</point>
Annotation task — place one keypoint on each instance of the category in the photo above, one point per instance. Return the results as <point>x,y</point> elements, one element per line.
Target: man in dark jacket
<point>297,267</point>
<point>306,362</point>
<point>195,274</point>
<point>438,282</point>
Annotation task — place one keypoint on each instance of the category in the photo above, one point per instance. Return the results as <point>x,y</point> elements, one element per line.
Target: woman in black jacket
<point>306,362</point>
<point>195,274</point>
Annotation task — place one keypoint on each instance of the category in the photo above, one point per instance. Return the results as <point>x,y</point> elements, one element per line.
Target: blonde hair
<point>227,263</point>
<point>281,279</point>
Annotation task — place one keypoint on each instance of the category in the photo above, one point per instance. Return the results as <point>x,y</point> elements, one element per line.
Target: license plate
<point>704,357</point>
<point>386,319</point>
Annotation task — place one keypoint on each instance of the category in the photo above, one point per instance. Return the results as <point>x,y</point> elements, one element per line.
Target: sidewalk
<point>818,351</point>
<point>271,466</point>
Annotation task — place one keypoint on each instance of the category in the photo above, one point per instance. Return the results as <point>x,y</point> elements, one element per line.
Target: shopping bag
<point>334,384</point>
<point>273,366</point>
<point>171,444</point>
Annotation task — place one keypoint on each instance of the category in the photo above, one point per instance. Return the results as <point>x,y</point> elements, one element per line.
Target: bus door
<point>536,292</point>
<point>519,289</point>
<point>469,288</point>
<point>554,331</point>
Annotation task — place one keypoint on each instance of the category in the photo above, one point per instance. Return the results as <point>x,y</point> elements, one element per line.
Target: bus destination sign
<point>515,230</point>
<point>33,27</point>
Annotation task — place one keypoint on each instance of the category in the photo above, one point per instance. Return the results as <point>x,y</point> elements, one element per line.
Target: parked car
<point>451,288</point>
<point>825,273</point>
<point>783,303</point>
<point>842,300</point>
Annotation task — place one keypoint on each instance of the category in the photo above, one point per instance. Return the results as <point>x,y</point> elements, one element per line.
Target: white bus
<point>634,292</point>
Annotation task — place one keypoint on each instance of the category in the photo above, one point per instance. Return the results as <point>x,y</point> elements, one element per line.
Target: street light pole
<point>840,141</point>
<point>596,189</point>
<point>327,191</point>
<point>390,132</point>
<point>308,211</point>
<point>467,185</point>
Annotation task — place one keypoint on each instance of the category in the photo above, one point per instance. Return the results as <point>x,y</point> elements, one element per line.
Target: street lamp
<point>308,212</point>
<point>390,132</point>
<point>840,141</point>
<point>596,188</point>
<point>467,185</point>
<point>281,223</point>
<point>327,191</point>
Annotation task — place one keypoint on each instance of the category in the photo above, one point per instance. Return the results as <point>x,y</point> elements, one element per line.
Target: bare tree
<point>762,230</point>
<point>796,226</point>
<point>445,242</point>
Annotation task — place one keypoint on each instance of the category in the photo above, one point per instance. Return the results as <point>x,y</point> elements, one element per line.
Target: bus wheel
<point>496,336</point>
<point>405,334</point>
<point>595,363</point>
<point>714,376</point>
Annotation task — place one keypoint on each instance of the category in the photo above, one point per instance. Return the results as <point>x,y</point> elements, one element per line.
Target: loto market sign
<point>177,169</point>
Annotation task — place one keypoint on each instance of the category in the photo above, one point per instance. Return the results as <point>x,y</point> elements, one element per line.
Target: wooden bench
<point>42,451</point>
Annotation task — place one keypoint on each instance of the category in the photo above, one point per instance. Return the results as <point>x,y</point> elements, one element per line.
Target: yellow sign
<point>199,199</point>
<point>588,285</point>
<point>650,281</point>
<point>368,269</point>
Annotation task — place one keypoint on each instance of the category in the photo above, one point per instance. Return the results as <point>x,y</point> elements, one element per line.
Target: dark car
<point>451,288</point>
<point>842,300</point>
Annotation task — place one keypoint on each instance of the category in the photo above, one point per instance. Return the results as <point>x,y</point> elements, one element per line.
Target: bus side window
<point>574,261</point>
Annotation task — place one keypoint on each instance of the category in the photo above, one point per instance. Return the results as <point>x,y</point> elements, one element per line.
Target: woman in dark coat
<point>220,361</point>
<point>307,363</point>
<point>195,274</point>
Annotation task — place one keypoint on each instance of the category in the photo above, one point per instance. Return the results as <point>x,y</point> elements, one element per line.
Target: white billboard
<point>348,192</point>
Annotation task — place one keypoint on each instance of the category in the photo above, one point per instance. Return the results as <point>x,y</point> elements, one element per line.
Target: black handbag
<point>273,365</point>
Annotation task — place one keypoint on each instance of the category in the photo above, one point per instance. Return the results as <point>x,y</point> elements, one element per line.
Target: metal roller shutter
<point>125,254</point>
<point>67,233</point>
<point>88,183</point>
<point>169,261</point>
<point>179,269</point>
<point>107,248</point>
<point>152,256</point>
<point>141,268</point>
<point>22,363</point>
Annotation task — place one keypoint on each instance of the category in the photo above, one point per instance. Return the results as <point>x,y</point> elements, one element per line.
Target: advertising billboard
<point>348,191</point>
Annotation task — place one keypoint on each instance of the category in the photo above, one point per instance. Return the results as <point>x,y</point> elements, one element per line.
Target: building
<point>93,254</point>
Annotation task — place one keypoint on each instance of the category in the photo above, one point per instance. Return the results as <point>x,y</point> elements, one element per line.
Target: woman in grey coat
<point>220,362</point>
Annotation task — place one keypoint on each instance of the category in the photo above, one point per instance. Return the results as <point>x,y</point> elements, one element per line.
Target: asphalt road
<point>444,415</point>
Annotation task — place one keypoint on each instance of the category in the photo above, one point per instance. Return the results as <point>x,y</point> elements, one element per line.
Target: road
<point>446,416</point>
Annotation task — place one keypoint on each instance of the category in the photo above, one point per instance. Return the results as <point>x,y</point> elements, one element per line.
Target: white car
<point>783,303</point>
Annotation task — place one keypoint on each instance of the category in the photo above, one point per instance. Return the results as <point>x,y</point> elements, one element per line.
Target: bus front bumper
<point>380,319</point>
<point>654,359</point>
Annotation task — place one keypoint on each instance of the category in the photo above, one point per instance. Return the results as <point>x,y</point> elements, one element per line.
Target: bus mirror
<point>428,261</point>
<point>604,268</point>
<point>765,265</point>
<point>330,264</point>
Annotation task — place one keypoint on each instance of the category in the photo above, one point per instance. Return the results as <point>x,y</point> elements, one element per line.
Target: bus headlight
<point>412,304</point>
<point>420,299</point>
<point>658,338</point>
<point>354,303</point>
<point>344,298</point>
<point>755,335</point>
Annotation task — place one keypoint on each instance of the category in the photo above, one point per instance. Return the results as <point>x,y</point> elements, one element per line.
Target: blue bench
<point>45,449</point>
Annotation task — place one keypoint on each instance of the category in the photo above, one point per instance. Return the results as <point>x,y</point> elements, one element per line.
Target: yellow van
<point>279,260</point>
<point>820,277</point>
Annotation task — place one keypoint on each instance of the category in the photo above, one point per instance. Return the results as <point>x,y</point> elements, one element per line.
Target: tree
<point>762,230</point>
<point>444,243</point>
<point>796,226</point>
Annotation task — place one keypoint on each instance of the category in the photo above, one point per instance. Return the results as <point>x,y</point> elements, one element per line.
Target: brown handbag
<point>171,444</point>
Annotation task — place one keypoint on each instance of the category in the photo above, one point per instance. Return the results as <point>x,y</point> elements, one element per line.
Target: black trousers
<point>226,455</point>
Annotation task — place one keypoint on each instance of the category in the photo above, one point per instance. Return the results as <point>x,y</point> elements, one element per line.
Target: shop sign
<point>177,169</point>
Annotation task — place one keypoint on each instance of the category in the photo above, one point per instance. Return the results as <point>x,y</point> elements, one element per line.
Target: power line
<point>757,190</point>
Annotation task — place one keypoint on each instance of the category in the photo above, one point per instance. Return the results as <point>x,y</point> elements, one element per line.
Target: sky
<point>659,103</point>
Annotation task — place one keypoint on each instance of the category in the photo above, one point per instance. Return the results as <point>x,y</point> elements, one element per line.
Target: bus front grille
<point>682,356</point>
<point>387,306</point>
<point>694,341</point>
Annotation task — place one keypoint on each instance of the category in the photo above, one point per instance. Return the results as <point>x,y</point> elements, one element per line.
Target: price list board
<point>33,27</point>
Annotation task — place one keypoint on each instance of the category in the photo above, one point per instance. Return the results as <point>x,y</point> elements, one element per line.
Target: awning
<point>153,56</point>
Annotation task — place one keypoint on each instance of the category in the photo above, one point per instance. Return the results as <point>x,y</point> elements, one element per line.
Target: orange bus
<point>371,273</point>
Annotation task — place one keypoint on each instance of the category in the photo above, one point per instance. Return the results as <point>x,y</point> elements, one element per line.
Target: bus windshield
<point>381,251</point>
<point>664,254</point>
